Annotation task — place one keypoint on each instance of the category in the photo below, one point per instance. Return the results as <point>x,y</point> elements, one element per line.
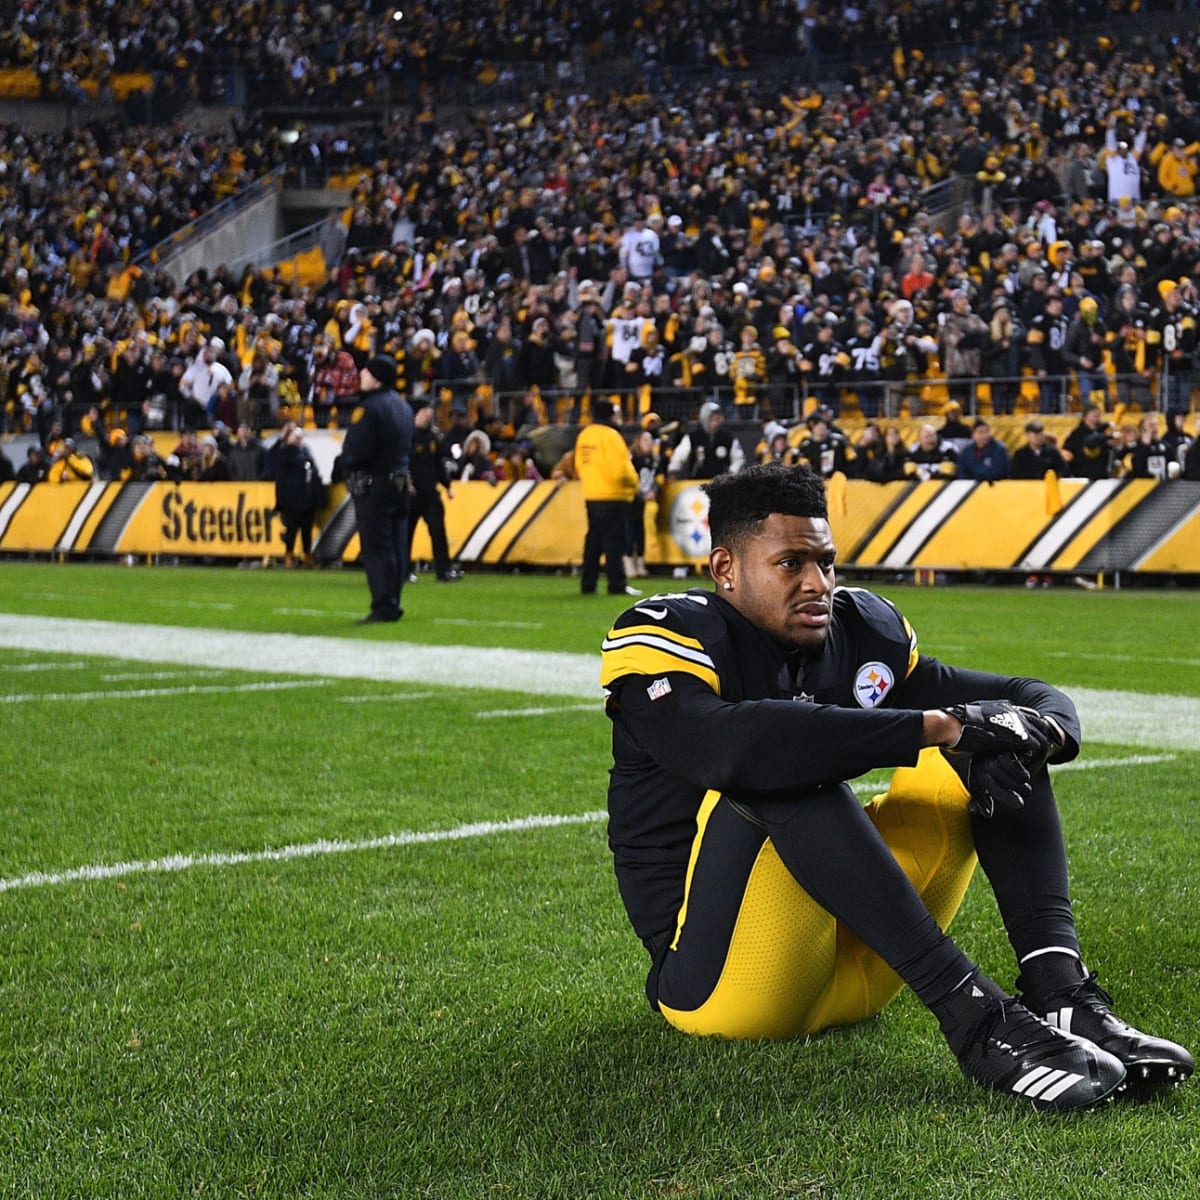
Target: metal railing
<point>161,254</point>
<point>885,400</point>
<point>924,396</point>
<point>270,255</point>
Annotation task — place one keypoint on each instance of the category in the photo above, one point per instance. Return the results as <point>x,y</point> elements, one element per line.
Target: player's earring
<point>727,586</point>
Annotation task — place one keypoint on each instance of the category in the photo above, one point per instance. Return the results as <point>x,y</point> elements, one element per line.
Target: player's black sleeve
<point>760,747</point>
<point>934,684</point>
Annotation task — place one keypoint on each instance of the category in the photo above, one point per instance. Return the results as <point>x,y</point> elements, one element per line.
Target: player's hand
<point>999,781</point>
<point>1048,739</point>
<point>993,727</point>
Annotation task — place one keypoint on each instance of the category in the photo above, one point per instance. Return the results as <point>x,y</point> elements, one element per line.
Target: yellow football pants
<point>791,968</point>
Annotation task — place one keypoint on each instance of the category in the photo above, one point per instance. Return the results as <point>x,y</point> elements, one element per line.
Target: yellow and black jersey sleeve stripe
<point>913,652</point>
<point>882,618</point>
<point>654,650</point>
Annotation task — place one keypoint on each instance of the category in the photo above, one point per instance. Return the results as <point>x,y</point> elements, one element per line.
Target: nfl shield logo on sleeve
<point>659,688</point>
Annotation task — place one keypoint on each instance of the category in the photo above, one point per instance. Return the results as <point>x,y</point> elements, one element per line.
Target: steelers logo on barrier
<point>689,522</point>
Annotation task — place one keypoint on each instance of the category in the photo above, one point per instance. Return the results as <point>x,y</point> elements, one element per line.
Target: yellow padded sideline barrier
<point>957,525</point>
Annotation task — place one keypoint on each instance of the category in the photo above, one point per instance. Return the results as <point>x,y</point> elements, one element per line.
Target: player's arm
<point>932,683</point>
<point>765,746</point>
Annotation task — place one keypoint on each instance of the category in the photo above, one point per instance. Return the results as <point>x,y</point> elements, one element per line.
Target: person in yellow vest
<point>610,482</point>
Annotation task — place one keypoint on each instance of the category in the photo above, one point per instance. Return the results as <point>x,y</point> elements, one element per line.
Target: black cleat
<point>1011,1050</point>
<point>1085,1010</point>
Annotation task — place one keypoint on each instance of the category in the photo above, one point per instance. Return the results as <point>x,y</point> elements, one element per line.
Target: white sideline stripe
<point>1138,718</point>
<point>491,668</point>
<point>146,693</point>
<point>44,666</point>
<point>185,862</point>
<point>1148,721</point>
<point>392,696</point>
<point>541,712</point>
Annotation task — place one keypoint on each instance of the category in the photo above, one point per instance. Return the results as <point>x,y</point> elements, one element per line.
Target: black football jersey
<point>675,667</point>
<point>703,702</point>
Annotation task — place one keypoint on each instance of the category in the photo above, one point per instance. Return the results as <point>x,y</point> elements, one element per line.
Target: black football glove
<point>995,727</point>
<point>1047,739</point>
<point>999,781</point>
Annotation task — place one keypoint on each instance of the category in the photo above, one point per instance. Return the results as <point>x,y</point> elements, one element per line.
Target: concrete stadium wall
<point>258,224</point>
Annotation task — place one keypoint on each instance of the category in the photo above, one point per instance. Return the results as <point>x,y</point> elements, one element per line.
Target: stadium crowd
<point>770,251</point>
<point>311,50</point>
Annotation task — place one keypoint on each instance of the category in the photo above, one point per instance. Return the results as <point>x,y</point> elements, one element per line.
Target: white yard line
<point>173,602</point>
<point>148,693</point>
<point>478,829</point>
<point>58,665</point>
<point>481,624</point>
<point>595,707</point>
<point>315,612</point>
<point>185,862</point>
<point>1115,717</point>
<point>1138,658</point>
<point>1096,764</point>
<point>375,699</point>
<point>125,676</point>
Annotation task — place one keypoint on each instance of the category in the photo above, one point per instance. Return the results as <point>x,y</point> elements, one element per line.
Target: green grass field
<point>287,927</point>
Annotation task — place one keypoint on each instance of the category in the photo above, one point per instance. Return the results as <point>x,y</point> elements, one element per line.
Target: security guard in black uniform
<point>430,470</point>
<point>375,458</point>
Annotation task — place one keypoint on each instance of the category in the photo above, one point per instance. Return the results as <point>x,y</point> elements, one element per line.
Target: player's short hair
<point>739,504</point>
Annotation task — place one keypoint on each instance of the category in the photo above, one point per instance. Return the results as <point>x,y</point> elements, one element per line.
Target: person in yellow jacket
<point>606,471</point>
<point>1176,166</point>
<point>69,465</point>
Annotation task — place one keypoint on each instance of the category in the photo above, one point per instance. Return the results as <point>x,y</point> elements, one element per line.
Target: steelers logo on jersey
<point>873,683</point>
<point>689,522</point>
